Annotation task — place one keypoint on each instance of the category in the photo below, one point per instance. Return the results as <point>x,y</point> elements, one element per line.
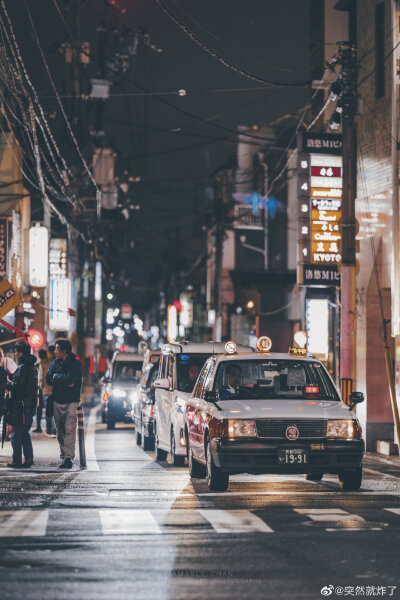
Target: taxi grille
<point>308,428</point>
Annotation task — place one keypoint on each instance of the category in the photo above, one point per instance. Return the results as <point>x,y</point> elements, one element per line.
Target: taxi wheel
<point>177,460</point>
<point>148,443</point>
<point>350,480</point>
<point>196,470</point>
<point>217,480</point>
<point>138,436</point>
<point>313,476</point>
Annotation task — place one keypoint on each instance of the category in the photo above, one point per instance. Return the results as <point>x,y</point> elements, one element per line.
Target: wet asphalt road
<point>130,528</point>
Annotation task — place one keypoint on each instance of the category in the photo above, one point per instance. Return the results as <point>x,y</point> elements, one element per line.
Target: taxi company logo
<point>292,433</point>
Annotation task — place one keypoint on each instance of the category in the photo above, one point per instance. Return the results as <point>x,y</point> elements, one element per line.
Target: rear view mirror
<point>162,384</point>
<point>355,398</point>
<point>211,396</point>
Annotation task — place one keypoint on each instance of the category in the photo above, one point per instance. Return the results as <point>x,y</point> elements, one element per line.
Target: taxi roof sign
<point>230,347</point>
<point>298,351</point>
<point>264,344</point>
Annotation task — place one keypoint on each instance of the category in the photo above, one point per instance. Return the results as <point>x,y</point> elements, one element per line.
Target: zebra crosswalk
<point>106,522</point>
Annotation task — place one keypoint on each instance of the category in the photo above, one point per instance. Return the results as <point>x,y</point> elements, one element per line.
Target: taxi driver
<point>233,379</point>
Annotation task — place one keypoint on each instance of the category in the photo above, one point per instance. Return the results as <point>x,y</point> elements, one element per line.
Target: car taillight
<point>151,411</point>
<point>311,389</point>
<point>218,428</point>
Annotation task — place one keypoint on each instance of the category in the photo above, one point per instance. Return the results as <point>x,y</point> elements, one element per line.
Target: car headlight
<point>343,428</point>
<point>134,397</point>
<point>241,428</point>
<point>118,393</point>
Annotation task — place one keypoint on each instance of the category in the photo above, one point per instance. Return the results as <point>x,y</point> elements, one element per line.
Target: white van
<point>180,366</point>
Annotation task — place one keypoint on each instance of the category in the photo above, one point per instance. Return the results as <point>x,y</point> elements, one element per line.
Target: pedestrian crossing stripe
<point>40,523</point>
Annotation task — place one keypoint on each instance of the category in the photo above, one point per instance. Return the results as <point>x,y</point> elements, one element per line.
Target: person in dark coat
<point>65,377</point>
<point>23,402</point>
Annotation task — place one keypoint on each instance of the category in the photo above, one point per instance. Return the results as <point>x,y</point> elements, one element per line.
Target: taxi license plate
<point>292,456</point>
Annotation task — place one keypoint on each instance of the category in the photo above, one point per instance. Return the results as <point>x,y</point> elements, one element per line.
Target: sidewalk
<point>46,453</point>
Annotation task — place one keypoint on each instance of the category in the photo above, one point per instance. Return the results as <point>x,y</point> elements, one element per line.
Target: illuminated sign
<point>38,256</point>
<point>317,318</point>
<point>329,172</point>
<point>58,258</point>
<point>320,143</point>
<point>60,293</point>
<point>172,323</point>
<point>321,276</point>
<point>320,190</point>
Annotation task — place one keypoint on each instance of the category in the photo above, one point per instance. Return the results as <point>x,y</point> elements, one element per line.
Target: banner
<point>9,297</point>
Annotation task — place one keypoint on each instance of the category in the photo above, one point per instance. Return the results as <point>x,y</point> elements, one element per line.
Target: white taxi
<point>265,412</point>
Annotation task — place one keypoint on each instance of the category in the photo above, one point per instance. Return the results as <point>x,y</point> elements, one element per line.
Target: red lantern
<point>35,339</point>
<point>177,305</point>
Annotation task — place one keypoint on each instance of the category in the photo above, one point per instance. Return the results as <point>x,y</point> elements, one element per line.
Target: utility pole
<point>219,238</point>
<point>348,59</point>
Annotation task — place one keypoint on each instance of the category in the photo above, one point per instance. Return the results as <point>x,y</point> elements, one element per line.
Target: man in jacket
<point>65,377</point>
<point>45,362</point>
<point>24,396</point>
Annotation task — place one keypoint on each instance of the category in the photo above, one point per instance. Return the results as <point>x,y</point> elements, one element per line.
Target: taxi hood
<point>283,409</point>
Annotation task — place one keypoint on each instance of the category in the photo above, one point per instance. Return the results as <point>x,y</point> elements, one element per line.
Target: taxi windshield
<point>277,379</point>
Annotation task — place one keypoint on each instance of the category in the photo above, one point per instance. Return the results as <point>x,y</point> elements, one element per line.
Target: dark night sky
<point>266,37</point>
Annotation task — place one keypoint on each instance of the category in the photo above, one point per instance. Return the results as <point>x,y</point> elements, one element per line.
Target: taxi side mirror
<point>355,398</point>
<point>211,396</point>
<point>162,384</point>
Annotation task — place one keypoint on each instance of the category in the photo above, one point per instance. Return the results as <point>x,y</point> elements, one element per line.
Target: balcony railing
<point>246,219</point>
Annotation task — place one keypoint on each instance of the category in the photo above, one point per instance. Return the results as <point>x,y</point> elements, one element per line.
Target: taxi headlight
<point>340,428</point>
<point>134,397</point>
<point>241,428</point>
<point>118,393</point>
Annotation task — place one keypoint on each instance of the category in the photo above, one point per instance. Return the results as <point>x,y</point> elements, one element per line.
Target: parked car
<point>143,406</point>
<point>180,366</point>
<point>271,413</point>
<point>120,385</point>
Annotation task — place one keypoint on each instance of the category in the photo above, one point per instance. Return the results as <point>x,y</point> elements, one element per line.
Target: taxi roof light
<point>230,347</point>
<point>264,344</point>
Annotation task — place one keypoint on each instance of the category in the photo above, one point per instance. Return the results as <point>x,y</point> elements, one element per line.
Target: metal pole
<point>392,385</point>
<point>81,438</point>
<point>348,270</point>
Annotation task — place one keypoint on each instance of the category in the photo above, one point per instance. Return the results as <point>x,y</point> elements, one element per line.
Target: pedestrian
<point>65,377</point>
<point>22,407</point>
<point>46,391</point>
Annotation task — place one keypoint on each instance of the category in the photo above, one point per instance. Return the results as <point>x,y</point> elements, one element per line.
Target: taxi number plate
<point>292,456</point>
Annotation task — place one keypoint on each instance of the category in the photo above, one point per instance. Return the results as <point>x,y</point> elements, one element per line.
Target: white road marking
<point>91,460</point>
<point>23,523</point>
<point>380,473</point>
<point>328,514</point>
<point>128,522</point>
<point>235,521</point>
<point>396,511</point>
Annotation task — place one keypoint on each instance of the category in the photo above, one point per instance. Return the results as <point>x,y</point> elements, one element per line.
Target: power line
<point>220,58</point>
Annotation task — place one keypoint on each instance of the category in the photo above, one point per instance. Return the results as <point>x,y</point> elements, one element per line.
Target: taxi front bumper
<point>259,456</point>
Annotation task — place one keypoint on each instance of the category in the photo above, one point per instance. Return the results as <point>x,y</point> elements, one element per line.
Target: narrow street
<point>129,527</point>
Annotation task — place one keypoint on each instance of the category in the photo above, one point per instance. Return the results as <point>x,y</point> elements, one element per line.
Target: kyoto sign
<point>9,297</point>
